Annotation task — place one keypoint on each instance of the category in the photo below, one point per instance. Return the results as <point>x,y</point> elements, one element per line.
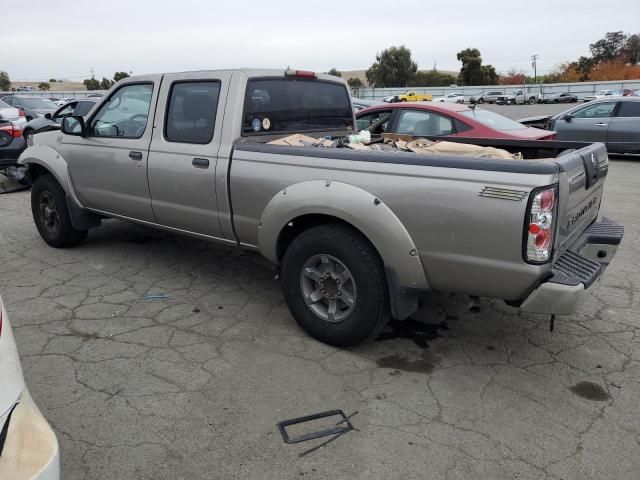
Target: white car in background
<point>450,98</point>
<point>63,101</point>
<point>28,447</point>
<point>602,94</point>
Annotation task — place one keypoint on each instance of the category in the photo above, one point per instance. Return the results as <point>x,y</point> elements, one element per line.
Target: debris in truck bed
<point>404,143</point>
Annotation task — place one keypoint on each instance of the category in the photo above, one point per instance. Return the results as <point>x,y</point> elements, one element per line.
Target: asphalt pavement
<point>190,382</point>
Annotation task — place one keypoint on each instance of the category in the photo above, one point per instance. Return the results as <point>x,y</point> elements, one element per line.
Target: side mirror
<point>567,117</point>
<point>47,116</point>
<point>72,125</point>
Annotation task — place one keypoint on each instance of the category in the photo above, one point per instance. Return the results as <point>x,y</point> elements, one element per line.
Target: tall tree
<point>355,82</point>
<point>92,84</point>
<point>392,68</point>
<point>106,84</point>
<point>334,72</point>
<point>5,82</point>
<point>471,71</point>
<point>609,47</point>
<point>119,76</point>
<point>631,50</point>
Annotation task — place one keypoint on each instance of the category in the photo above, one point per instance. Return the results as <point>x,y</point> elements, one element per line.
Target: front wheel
<point>532,100</point>
<point>51,215</point>
<point>480,100</point>
<point>334,284</point>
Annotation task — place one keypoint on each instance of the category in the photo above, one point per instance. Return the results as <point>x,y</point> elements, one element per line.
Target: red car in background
<point>444,119</point>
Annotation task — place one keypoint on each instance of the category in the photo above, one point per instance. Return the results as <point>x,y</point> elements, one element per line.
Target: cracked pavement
<point>192,386</point>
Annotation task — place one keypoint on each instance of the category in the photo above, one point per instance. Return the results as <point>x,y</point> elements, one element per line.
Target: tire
<point>51,214</point>
<point>480,101</point>
<point>574,100</point>
<point>346,250</point>
<point>29,119</point>
<point>532,100</point>
<point>403,100</point>
<point>556,101</point>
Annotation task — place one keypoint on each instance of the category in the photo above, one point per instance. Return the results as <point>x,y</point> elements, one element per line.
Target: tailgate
<point>582,176</point>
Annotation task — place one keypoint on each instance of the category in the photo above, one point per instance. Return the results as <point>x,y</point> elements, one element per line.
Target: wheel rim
<point>328,288</point>
<point>49,212</point>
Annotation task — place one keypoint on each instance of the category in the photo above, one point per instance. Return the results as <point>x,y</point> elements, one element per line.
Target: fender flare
<point>372,217</point>
<point>49,159</point>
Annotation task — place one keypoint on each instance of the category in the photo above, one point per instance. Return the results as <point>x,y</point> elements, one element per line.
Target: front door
<point>588,124</point>
<point>184,151</point>
<point>108,166</point>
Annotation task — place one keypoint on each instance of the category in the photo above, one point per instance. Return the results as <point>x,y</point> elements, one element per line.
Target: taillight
<point>11,131</point>
<point>539,224</point>
<point>299,73</point>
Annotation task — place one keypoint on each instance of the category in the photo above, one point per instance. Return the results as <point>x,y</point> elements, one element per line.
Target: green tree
<point>609,47</point>
<point>44,86</point>
<point>52,80</point>
<point>106,84</point>
<point>471,71</point>
<point>631,50</point>
<point>489,75</point>
<point>392,68</point>
<point>334,72</point>
<point>355,82</point>
<point>584,66</point>
<point>119,76</point>
<point>5,82</point>
<point>432,78</point>
<point>92,84</point>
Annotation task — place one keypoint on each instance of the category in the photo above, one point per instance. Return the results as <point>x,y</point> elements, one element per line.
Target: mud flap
<point>403,301</point>
<point>81,219</point>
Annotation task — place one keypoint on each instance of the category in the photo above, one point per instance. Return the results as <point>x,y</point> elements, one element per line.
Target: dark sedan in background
<point>614,121</point>
<point>561,98</point>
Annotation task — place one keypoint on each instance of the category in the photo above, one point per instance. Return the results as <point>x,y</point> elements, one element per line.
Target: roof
<point>433,106</point>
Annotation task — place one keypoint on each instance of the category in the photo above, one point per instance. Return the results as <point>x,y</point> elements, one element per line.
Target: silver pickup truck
<point>357,235</point>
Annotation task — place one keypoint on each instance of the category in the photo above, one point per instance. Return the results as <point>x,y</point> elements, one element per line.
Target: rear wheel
<point>532,100</point>
<point>334,284</point>
<point>480,100</point>
<point>403,100</point>
<point>51,215</point>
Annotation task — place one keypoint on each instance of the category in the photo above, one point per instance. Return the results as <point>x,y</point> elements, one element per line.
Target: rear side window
<point>422,123</point>
<point>277,105</point>
<point>629,109</point>
<point>191,113</point>
<point>82,108</point>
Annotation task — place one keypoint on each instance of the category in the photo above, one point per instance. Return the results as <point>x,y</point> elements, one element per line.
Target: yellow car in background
<point>411,96</point>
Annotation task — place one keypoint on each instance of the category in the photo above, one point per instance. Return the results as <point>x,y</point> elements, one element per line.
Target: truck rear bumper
<point>575,273</point>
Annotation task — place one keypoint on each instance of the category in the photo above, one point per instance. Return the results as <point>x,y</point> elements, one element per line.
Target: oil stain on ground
<point>419,333</point>
<point>590,391</point>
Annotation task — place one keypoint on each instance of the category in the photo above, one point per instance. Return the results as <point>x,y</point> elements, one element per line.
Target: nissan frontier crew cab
<point>357,235</point>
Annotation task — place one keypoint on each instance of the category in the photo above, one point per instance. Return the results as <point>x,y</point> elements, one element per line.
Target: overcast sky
<point>65,39</point>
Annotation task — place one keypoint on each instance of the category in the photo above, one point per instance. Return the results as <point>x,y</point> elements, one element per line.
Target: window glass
<point>4,105</point>
<point>38,103</point>
<point>493,120</point>
<point>82,108</point>
<point>421,123</point>
<point>66,110</point>
<point>125,114</point>
<point>379,118</point>
<point>275,105</point>
<point>191,113</point>
<point>597,110</point>
<point>629,109</point>
<point>11,101</point>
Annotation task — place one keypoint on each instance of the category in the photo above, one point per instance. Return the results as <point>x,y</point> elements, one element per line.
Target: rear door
<point>184,151</point>
<point>588,123</point>
<point>108,166</point>
<point>623,134</point>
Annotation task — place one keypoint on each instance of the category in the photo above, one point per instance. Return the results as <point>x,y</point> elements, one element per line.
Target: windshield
<point>493,120</point>
<point>275,105</point>
<point>39,103</point>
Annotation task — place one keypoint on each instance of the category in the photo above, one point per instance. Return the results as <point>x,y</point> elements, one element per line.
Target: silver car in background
<point>7,112</point>
<point>614,121</point>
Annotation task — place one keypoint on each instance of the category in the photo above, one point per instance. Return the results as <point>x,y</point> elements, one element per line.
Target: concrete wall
<point>581,89</point>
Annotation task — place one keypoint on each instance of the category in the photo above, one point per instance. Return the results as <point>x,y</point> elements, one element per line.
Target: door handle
<point>601,124</point>
<point>137,156</point>
<point>200,163</point>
